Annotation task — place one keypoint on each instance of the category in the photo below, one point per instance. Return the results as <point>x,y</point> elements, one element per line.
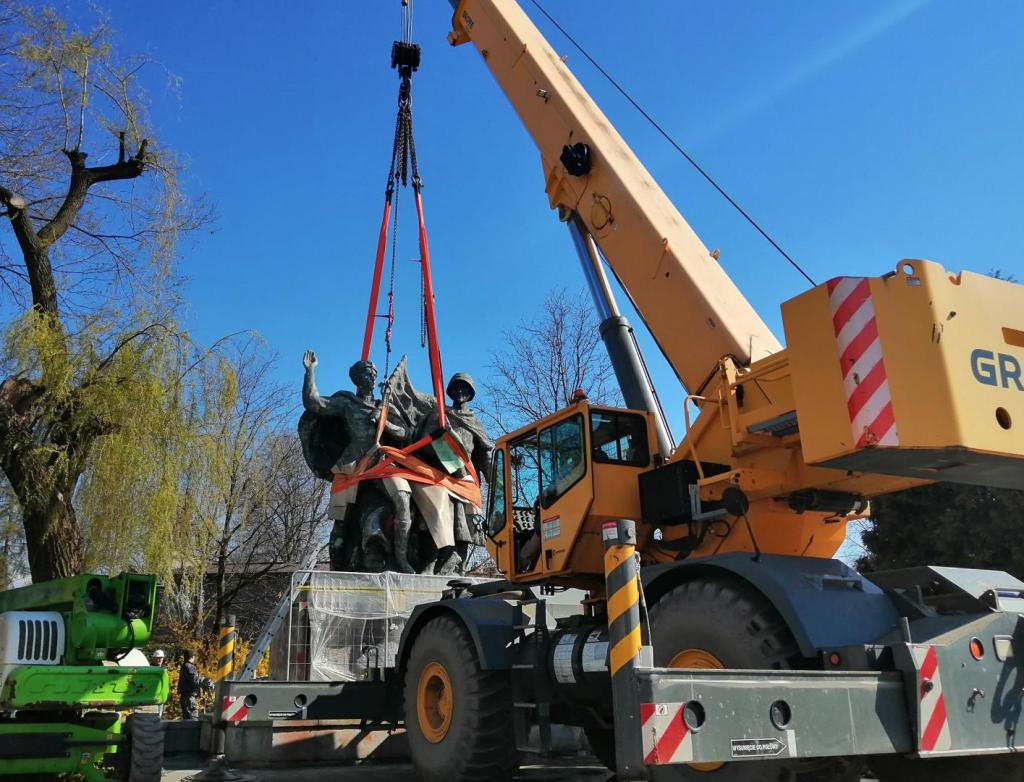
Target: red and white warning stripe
<point>233,708</point>
<point>933,723</point>
<point>860,356</point>
<point>666,739</point>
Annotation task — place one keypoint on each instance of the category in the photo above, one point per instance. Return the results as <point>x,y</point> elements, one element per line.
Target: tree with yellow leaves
<point>99,379</point>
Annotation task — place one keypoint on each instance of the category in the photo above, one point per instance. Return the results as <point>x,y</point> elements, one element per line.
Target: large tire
<point>992,768</point>
<point>736,625</point>
<point>146,744</point>
<point>458,717</point>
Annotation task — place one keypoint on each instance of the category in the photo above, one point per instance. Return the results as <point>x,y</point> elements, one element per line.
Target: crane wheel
<point>990,768</point>
<point>146,747</point>
<point>458,717</point>
<point>724,623</point>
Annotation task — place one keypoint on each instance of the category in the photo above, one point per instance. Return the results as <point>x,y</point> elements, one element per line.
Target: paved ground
<point>549,772</point>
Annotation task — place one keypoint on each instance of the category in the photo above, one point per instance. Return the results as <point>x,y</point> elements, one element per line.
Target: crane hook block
<point>405,57</point>
<point>577,158</point>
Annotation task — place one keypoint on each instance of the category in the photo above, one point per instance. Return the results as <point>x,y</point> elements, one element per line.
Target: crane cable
<point>403,157</point>
<point>700,169</point>
<point>404,170</point>
<point>407,14</point>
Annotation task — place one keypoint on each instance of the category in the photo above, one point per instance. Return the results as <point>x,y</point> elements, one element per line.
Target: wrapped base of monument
<point>346,626</point>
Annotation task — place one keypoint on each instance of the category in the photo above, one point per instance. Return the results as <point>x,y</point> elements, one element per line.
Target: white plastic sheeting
<point>348,624</point>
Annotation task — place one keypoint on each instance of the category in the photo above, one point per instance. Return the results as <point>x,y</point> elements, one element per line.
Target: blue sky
<point>858,133</point>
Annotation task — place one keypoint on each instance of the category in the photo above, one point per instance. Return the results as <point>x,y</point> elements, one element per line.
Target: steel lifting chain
<point>404,168</point>
<point>403,154</point>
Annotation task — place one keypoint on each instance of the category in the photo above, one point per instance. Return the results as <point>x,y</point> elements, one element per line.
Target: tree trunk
<point>5,576</point>
<point>42,483</point>
<point>198,619</point>
<point>54,541</point>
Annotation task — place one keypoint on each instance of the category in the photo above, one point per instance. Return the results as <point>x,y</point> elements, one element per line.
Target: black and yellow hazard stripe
<point>226,650</point>
<point>620,573</point>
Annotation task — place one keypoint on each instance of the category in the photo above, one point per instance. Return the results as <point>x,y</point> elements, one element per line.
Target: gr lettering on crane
<point>996,369</point>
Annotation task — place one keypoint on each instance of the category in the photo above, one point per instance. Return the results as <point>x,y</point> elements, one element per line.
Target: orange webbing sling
<point>401,463</point>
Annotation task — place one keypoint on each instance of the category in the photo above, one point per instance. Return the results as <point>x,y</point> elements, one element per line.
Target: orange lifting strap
<point>402,462</point>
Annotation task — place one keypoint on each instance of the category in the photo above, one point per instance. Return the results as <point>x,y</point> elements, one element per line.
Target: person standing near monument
<point>160,660</point>
<point>189,685</point>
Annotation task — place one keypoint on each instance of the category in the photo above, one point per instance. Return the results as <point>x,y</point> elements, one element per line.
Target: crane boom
<point>691,307</point>
<point>794,440</point>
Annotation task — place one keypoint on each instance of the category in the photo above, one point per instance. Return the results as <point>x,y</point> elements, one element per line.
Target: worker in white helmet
<point>160,660</point>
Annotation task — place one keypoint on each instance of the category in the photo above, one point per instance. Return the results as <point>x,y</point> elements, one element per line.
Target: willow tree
<point>92,351</point>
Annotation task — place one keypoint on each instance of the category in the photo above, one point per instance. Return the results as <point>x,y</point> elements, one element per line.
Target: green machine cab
<point>64,687</point>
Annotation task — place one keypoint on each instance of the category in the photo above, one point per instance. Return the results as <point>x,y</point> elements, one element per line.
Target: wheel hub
<point>434,702</point>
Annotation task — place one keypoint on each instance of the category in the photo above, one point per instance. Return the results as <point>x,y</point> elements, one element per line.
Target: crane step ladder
<point>531,691</point>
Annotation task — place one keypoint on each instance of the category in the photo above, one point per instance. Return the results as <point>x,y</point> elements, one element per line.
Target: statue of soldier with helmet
<point>472,436</point>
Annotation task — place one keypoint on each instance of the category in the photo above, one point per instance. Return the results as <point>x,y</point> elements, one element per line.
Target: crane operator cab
<point>554,482</point>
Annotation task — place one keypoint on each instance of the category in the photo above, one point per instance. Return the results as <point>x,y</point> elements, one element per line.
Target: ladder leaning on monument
<point>273,624</point>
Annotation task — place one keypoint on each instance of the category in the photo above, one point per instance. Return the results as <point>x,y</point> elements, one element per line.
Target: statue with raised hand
<point>337,432</point>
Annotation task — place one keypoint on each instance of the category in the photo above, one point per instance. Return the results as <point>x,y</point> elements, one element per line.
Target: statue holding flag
<point>391,461</point>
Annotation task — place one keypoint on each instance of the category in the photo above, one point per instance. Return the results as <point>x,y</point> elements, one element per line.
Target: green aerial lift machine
<point>65,695</point>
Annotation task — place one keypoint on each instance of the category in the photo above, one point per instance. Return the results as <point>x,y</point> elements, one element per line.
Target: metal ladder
<point>531,690</point>
<point>273,624</point>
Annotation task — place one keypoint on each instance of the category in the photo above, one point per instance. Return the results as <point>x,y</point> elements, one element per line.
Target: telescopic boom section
<point>691,307</point>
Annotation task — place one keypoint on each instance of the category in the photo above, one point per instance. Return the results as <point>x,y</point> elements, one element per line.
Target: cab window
<point>496,495</point>
<point>561,458</point>
<point>525,486</point>
<point>619,438</point>
<point>524,491</point>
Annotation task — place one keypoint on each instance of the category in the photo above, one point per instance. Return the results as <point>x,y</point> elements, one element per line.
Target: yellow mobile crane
<point>885,383</point>
<point>718,640</point>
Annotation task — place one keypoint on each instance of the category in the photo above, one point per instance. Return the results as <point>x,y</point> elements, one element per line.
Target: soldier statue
<point>478,447</point>
<point>452,535</point>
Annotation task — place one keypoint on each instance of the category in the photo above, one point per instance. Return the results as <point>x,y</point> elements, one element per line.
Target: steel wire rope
<point>407,17</point>
<point>700,169</point>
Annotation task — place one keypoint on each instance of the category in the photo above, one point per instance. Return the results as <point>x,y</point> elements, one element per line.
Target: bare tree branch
<point>82,178</point>
<point>544,361</point>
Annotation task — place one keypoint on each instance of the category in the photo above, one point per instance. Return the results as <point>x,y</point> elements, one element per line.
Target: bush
<point>206,661</point>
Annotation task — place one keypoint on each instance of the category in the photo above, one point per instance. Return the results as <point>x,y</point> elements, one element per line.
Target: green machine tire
<point>145,747</point>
